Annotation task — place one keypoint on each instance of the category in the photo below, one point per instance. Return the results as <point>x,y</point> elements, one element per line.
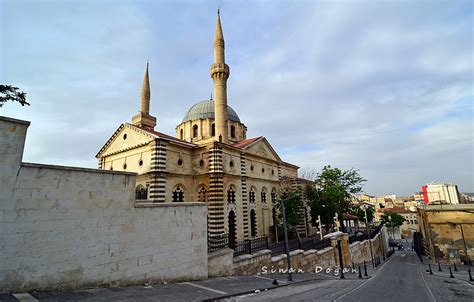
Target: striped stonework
<point>279,172</point>
<point>216,197</point>
<point>245,208</point>
<point>158,168</point>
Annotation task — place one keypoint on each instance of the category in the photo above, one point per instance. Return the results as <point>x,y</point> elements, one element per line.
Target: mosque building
<point>209,160</point>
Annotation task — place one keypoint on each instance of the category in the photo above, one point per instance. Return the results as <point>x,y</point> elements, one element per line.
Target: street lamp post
<point>285,230</point>
<point>368,234</point>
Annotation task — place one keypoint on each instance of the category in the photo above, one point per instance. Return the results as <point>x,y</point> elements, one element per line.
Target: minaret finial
<point>143,118</point>
<point>211,96</point>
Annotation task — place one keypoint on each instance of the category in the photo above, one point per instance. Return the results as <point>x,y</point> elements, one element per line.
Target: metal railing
<point>215,243</point>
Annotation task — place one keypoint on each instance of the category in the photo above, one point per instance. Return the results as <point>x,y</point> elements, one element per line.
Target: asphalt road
<point>402,278</point>
<point>399,279</point>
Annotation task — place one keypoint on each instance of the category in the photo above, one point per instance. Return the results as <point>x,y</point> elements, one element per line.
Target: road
<point>402,278</point>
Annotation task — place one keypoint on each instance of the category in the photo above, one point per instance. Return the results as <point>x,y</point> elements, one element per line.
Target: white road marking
<point>403,255</point>
<point>270,279</point>
<point>206,288</point>
<point>426,285</point>
<point>25,297</point>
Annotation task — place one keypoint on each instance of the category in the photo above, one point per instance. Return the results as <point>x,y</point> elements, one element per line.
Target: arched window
<point>231,195</point>
<point>202,194</point>
<point>181,134</point>
<point>253,223</point>
<point>195,131</point>
<point>263,195</point>
<point>252,195</point>
<point>273,196</point>
<point>232,131</point>
<point>178,194</point>
<point>213,129</point>
<point>141,193</point>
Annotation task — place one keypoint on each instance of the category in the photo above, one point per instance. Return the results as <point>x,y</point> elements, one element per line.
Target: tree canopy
<point>392,220</point>
<point>13,94</point>
<point>333,192</point>
<point>293,208</point>
<point>360,213</point>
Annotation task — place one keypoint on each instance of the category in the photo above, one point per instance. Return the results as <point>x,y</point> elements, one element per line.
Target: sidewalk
<point>215,288</point>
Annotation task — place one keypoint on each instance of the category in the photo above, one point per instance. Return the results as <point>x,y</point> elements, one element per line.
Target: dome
<point>205,109</point>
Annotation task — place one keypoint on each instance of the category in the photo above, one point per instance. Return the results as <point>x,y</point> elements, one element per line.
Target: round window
<point>140,162</point>
<point>201,163</point>
<point>125,166</point>
<point>251,168</point>
<point>231,163</point>
<point>263,170</point>
<point>180,162</point>
<point>125,136</point>
<point>273,171</point>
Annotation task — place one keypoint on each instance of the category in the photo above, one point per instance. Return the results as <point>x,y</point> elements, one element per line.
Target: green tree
<point>13,94</point>
<point>392,220</point>
<point>293,208</point>
<point>360,213</point>
<point>333,192</point>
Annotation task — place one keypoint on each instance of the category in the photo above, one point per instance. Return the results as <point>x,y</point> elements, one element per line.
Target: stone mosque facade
<point>210,160</point>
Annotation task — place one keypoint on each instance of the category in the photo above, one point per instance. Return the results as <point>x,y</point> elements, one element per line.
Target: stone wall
<point>441,229</point>
<point>64,227</point>
<point>220,263</point>
<point>263,263</point>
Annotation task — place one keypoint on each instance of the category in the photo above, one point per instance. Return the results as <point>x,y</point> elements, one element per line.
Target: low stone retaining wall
<point>262,262</point>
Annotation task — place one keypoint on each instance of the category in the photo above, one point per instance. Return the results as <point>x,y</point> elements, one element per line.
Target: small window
<point>252,196</point>
<point>231,164</point>
<point>264,197</point>
<point>178,195</point>
<point>251,168</point>
<point>141,193</point>
<point>125,166</point>
<point>202,195</point>
<point>140,162</point>
<point>180,162</point>
<point>273,197</point>
<point>273,171</point>
<point>213,130</point>
<point>181,134</point>
<point>232,131</point>
<point>201,163</point>
<point>125,136</point>
<point>231,195</point>
<point>263,170</point>
<point>195,131</point>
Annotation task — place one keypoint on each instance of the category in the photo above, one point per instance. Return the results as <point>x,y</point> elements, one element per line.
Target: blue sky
<point>385,87</point>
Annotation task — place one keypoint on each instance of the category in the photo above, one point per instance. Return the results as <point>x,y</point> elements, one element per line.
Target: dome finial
<point>211,96</point>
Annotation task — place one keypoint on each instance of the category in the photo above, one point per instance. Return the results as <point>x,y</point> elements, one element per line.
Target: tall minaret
<point>143,118</point>
<point>219,74</point>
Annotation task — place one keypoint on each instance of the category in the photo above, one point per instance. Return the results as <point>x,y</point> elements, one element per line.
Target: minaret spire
<point>143,118</point>
<point>219,74</point>
<point>145,96</point>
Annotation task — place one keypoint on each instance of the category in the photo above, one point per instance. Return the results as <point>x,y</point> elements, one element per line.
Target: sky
<point>385,87</point>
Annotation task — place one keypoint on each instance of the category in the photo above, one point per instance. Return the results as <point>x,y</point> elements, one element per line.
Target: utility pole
<point>368,234</point>
<point>320,228</point>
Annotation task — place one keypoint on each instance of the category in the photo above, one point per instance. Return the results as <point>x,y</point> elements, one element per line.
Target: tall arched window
<point>252,195</point>
<point>274,196</point>
<point>263,195</point>
<point>181,134</point>
<point>213,129</point>
<point>141,193</point>
<point>202,194</point>
<point>178,194</point>
<point>195,131</point>
<point>231,195</point>
<point>232,131</point>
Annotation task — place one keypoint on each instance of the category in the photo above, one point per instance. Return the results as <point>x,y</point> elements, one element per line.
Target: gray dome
<point>205,109</point>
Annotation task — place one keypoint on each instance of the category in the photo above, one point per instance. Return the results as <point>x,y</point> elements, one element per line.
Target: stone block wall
<point>64,227</point>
